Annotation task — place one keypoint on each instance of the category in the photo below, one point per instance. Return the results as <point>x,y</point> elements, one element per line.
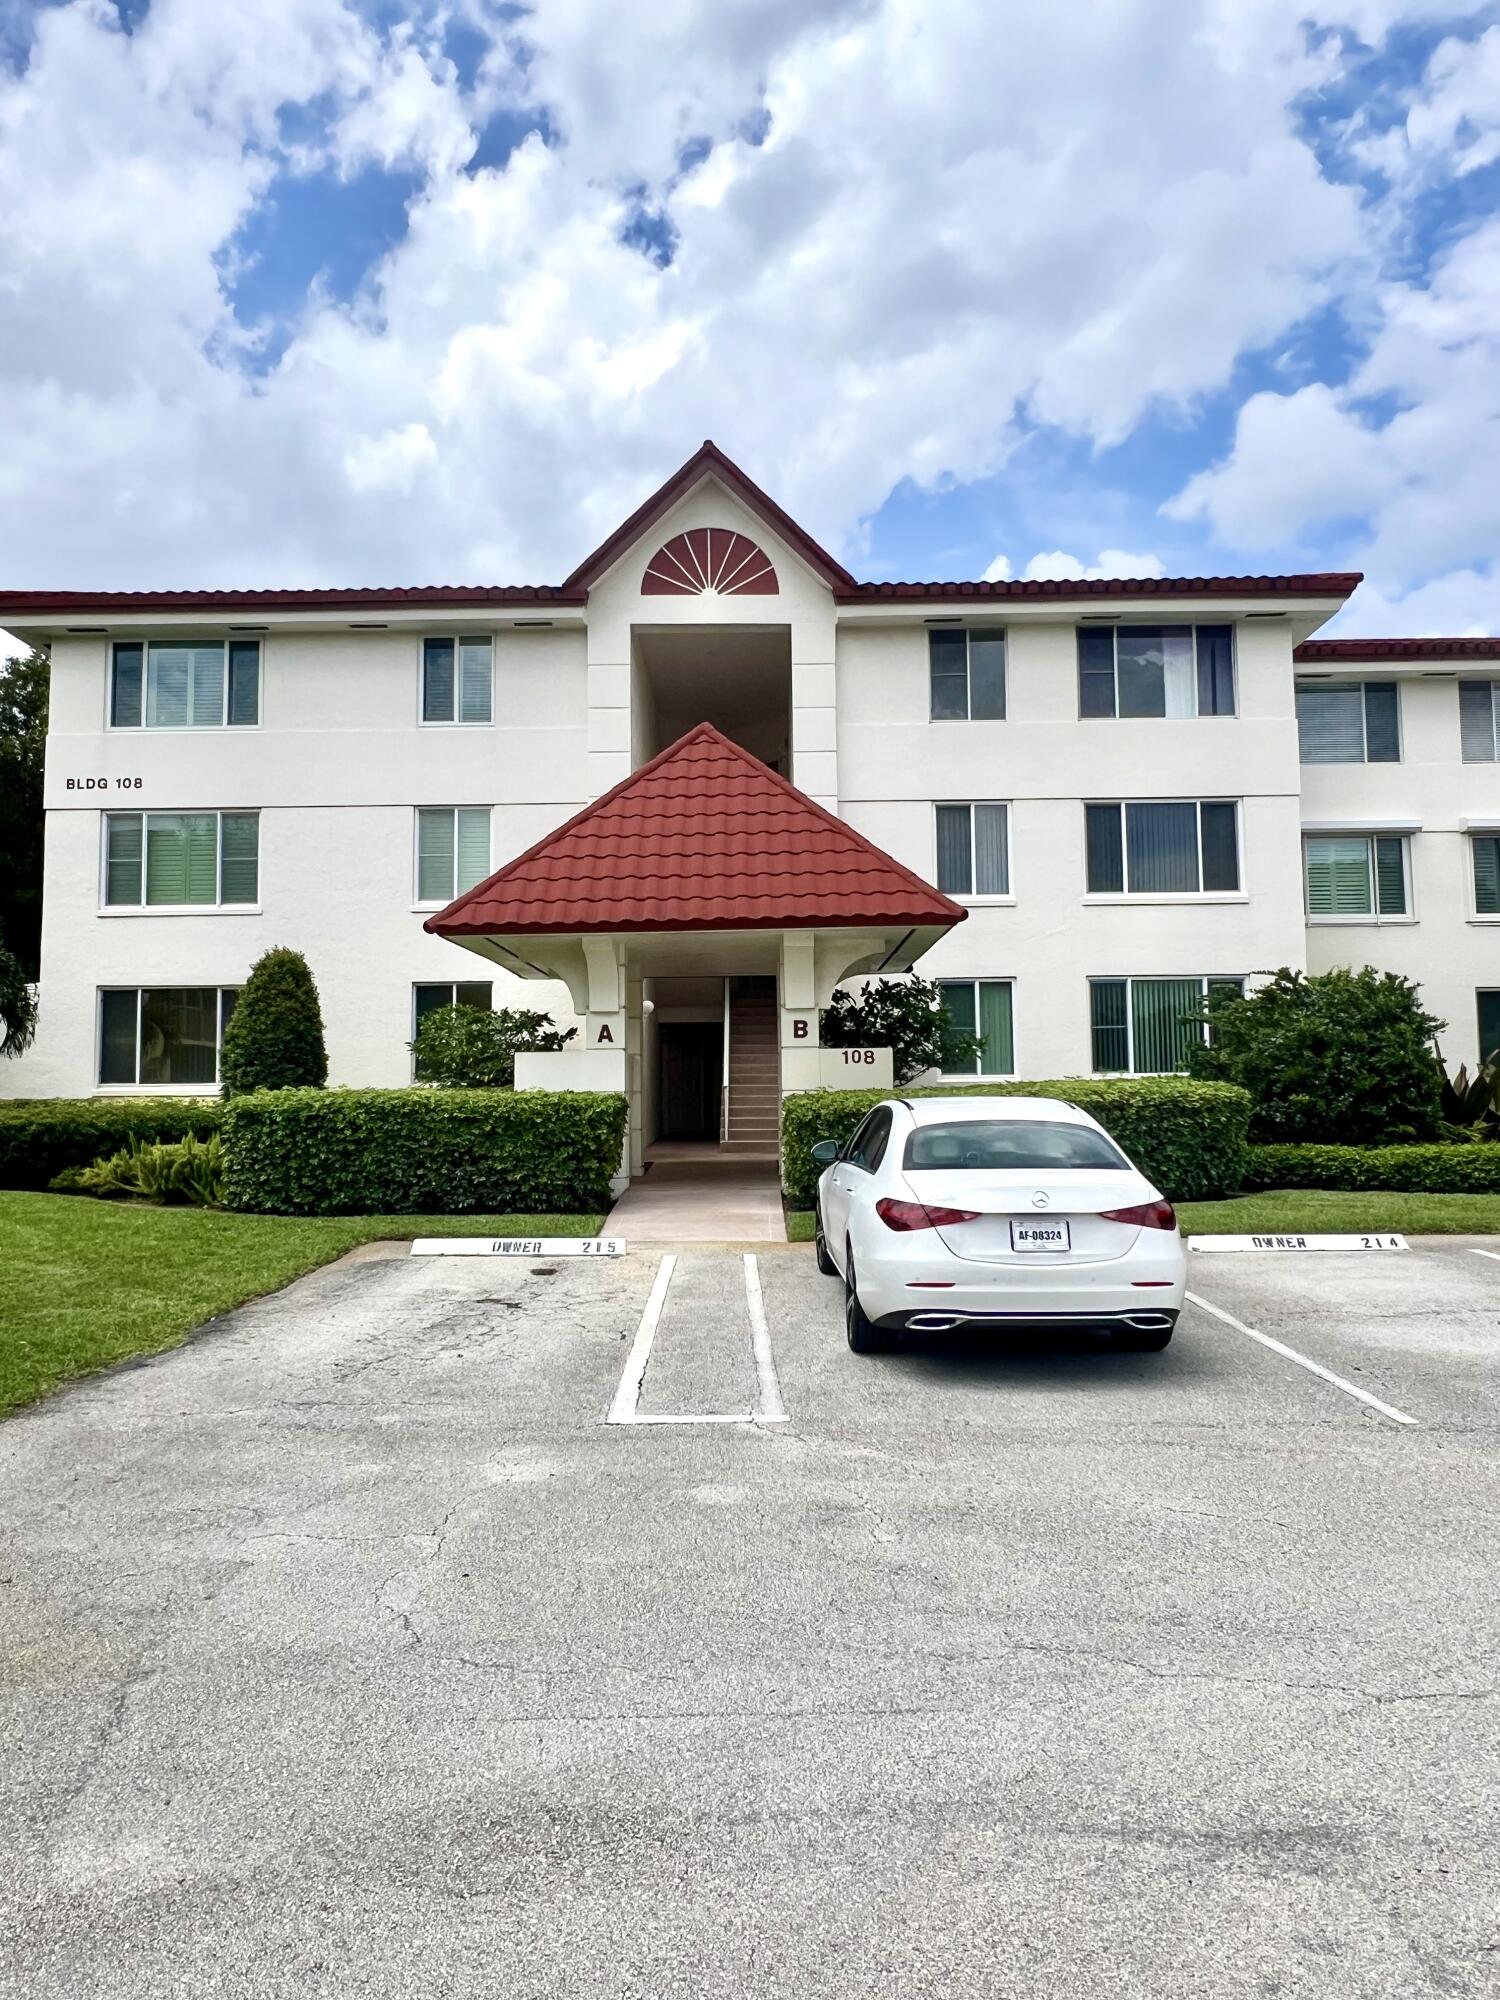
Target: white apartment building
<point>1074,803</point>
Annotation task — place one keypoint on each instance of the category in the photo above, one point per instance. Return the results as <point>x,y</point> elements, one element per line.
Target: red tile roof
<point>1331,651</point>
<point>1324,584</point>
<point>21,604</point>
<point>704,837</point>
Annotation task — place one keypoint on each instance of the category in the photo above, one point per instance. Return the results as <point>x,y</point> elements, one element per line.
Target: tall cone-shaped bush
<point>274,1040</point>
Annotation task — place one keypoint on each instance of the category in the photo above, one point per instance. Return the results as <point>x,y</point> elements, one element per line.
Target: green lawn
<point>85,1283</point>
<point>1298,1212</point>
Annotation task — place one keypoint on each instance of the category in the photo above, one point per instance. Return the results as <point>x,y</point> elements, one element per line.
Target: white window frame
<point>452,986</point>
<point>418,901</point>
<point>143,727</point>
<point>1342,681</point>
<point>1112,626</point>
<point>1492,681</point>
<point>456,639</point>
<point>1473,833</point>
<point>1130,980</point>
<point>975,896</point>
<point>218,907</point>
<point>155,1089</point>
<point>1000,632</point>
<point>976,980</point>
<point>1199,895</point>
<point>1369,837</point>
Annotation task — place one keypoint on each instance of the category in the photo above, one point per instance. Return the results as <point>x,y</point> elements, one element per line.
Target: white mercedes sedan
<point>945,1212</point>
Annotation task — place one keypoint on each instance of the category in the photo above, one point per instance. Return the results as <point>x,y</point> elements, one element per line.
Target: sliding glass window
<point>1349,722</point>
<point>1155,670</point>
<point>980,1007</point>
<point>1354,877</point>
<point>973,850</point>
<point>1144,1027</point>
<point>185,684</point>
<point>181,860</point>
<point>1181,847</point>
<point>163,1035</point>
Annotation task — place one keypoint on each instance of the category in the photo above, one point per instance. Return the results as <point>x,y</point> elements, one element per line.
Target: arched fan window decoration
<point>709,559</point>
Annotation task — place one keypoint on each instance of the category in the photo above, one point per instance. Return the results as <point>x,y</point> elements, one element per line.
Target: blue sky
<point>323,292</point>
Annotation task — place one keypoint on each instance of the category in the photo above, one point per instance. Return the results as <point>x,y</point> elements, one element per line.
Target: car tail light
<point>920,1214</point>
<point>1146,1215</point>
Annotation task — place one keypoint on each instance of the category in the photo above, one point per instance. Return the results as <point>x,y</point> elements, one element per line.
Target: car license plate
<point>1039,1236</point>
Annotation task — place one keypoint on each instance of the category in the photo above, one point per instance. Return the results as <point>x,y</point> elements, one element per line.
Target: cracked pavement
<point>346,1651</point>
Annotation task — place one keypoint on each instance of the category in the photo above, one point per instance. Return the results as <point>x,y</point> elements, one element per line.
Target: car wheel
<point>820,1247</point>
<point>864,1336</point>
<point>1138,1341</point>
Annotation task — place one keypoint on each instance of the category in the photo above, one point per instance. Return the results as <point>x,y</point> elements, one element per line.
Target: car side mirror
<point>824,1152</point>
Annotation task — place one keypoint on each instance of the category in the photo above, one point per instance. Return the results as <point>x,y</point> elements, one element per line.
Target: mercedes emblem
<point>1041,1198</point>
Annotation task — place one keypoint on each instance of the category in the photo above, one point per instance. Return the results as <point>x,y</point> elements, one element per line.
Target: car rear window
<point>1030,1145</point>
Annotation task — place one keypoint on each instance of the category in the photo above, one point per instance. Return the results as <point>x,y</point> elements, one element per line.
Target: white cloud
<point>998,571</point>
<point>883,289</point>
<point>1057,566</point>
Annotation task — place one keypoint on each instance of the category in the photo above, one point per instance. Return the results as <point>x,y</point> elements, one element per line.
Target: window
<point>967,671</point>
<point>453,850</point>
<point>1349,722</point>
<point>476,993</point>
<point>1143,1027</point>
<point>456,680</point>
<point>973,851</point>
<point>1174,670</point>
<point>185,684</point>
<point>1489,1022</point>
<point>1486,848</point>
<point>1352,876</point>
<point>867,1148</point>
<point>1184,847</point>
<point>181,860</point>
<point>1027,1145</point>
<point>161,1035</point>
<point>1479,720</point>
<point>980,1007</point>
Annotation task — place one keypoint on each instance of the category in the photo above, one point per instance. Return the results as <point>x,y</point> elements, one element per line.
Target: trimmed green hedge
<point>1187,1137</point>
<point>1459,1169</point>
<point>39,1136</point>
<point>418,1151</point>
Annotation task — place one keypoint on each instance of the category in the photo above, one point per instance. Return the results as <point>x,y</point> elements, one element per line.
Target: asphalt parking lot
<point>352,1650</point>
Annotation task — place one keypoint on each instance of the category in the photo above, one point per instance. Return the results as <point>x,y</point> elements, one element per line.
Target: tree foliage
<point>274,1040</point>
<point>906,1016</point>
<point>17,1006</point>
<point>475,1048</point>
<point>1334,1057</point>
<point>23,737</point>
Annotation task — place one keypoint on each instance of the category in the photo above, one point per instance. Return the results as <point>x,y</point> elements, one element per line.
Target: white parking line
<point>772,1410</point>
<point>624,1408</point>
<point>1484,1253</point>
<point>1302,1361</point>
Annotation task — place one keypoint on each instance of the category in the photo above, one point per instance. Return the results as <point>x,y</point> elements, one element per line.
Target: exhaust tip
<point>934,1322</point>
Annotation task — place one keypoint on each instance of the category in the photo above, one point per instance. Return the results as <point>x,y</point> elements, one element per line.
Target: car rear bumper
<point>943,1319</point>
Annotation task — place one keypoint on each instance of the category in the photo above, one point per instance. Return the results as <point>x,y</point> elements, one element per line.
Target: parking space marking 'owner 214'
<point>1289,1242</point>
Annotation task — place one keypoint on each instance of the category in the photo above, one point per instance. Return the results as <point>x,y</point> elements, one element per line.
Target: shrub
<point>1338,1056</point>
<point>17,1006</point>
<point>1462,1169</point>
<point>274,1040</point>
<point>1187,1137</point>
<point>909,1017</point>
<point>422,1151</point>
<point>189,1170</point>
<point>475,1048</point>
<point>40,1136</point>
<point>1471,1104</point>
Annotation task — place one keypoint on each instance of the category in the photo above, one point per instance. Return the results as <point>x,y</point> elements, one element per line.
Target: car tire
<point>820,1247</point>
<point>864,1336</point>
<point>1140,1342</point>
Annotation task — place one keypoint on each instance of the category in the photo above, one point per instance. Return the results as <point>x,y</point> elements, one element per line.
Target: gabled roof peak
<point>708,459</point>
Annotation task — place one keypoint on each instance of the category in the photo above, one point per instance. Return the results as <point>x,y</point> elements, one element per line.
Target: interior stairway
<point>754,1074</point>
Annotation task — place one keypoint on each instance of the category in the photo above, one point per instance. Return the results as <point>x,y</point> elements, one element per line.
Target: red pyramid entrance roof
<point>704,837</point>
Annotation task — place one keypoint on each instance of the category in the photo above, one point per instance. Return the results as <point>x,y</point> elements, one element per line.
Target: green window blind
<point>1390,876</point>
<point>122,861</point>
<point>1107,1024</point>
<point>240,857</point>
<point>473,846</point>
<point>997,1057</point>
<point>1163,1015</point>
<point>435,854</point>
<point>958,998</point>
<point>474,680</point>
<point>1338,878</point>
<point>182,858</point>
<point>1487,874</point>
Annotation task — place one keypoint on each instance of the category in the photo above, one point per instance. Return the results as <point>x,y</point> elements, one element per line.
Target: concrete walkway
<point>701,1202</point>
